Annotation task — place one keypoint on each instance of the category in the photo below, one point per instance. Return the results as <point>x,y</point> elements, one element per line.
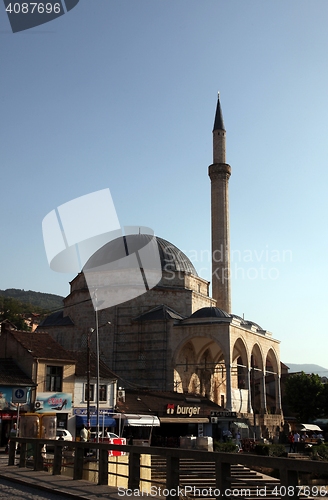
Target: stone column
<point>263,395</point>
<point>278,394</point>
<point>228,387</point>
<point>249,403</point>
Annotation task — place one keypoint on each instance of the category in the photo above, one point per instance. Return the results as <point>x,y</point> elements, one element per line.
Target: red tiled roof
<point>11,374</point>
<point>41,345</point>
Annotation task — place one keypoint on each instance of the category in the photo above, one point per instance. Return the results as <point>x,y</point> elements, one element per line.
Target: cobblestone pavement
<point>12,491</point>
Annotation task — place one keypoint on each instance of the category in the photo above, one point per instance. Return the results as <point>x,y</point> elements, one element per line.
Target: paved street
<point>12,491</point>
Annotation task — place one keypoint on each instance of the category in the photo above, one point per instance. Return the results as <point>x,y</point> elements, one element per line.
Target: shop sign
<point>224,414</point>
<point>92,411</point>
<point>53,401</point>
<point>172,409</point>
<point>9,402</point>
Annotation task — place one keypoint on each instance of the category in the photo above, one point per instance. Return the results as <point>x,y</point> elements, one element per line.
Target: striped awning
<point>187,420</point>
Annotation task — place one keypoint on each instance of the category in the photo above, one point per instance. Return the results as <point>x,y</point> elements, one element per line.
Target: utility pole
<point>88,379</point>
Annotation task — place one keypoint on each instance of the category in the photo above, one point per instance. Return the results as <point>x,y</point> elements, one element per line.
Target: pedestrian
<point>291,442</point>
<point>13,434</point>
<point>84,434</point>
<point>84,438</point>
<point>297,439</point>
<point>238,438</point>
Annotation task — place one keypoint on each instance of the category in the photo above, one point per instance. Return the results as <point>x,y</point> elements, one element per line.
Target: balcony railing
<point>134,472</point>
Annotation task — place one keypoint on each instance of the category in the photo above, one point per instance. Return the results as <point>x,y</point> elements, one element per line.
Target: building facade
<point>176,337</point>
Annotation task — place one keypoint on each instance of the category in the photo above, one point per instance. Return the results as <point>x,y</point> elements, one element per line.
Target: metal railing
<point>289,468</point>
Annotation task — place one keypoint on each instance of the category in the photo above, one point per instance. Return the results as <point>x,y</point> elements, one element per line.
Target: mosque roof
<point>210,312</point>
<point>159,313</point>
<point>56,319</point>
<point>172,259</point>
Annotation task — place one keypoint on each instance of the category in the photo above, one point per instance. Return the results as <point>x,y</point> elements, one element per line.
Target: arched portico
<point>200,367</point>
<point>272,382</point>
<point>240,380</point>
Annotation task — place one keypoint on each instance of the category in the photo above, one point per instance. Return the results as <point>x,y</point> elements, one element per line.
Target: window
<point>103,393</point>
<point>54,379</point>
<point>92,392</point>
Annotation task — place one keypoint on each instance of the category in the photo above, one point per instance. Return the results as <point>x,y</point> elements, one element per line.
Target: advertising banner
<point>53,401</point>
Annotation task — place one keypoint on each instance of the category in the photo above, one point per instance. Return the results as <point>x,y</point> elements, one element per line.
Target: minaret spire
<point>218,121</point>
<point>219,173</point>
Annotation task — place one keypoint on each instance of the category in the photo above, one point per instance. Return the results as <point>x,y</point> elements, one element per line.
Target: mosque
<point>176,338</point>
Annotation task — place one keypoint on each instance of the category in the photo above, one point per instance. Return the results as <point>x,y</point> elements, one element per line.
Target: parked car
<point>102,438</point>
<point>63,435</point>
<point>111,438</point>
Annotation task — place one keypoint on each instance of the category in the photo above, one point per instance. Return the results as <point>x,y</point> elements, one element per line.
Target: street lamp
<point>98,373</point>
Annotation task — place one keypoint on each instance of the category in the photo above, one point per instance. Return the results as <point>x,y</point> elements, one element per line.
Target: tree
<point>12,310</point>
<point>306,395</point>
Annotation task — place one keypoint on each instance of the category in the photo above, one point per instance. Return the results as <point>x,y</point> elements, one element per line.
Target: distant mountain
<point>45,301</point>
<point>307,368</point>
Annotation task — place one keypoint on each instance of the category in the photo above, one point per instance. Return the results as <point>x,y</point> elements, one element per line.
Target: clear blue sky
<point>122,94</point>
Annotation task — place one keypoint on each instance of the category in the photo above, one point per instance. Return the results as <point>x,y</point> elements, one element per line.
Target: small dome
<point>172,259</point>
<point>210,312</point>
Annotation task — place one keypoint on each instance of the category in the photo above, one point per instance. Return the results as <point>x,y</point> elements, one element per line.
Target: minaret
<point>219,174</point>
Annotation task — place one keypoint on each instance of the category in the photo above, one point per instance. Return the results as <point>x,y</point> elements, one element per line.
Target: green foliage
<point>306,396</point>
<point>277,450</point>
<point>270,450</point>
<point>225,447</point>
<point>12,310</point>
<point>262,449</point>
<point>319,452</point>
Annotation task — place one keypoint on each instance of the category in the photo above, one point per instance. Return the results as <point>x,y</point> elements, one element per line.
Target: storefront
<point>138,429</point>
<point>178,415</point>
<point>225,426</point>
<point>59,403</point>
<point>10,408</point>
<point>106,420</point>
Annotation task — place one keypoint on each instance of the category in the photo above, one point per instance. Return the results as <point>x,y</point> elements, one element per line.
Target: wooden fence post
<point>134,471</point>
<point>57,465</point>
<point>172,476</point>
<point>103,467</point>
<point>22,456</point>
<point>78,462</point>
<point>12,450</point>
<point>288,484</point>
<point>38,458</point>
<point>222,475</point>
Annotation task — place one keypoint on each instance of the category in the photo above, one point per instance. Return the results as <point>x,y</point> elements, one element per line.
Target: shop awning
<point>142,421</point>
<point>242,425</point>
<point>105,421</point>
<point>310,427</point>
<point>172,420</point>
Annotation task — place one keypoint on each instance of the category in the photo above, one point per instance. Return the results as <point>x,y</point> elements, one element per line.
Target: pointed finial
<point>218,121</point>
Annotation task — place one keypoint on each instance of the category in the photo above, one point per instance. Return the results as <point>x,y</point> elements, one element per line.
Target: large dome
<point>172,259</point>
<point>210,312</point>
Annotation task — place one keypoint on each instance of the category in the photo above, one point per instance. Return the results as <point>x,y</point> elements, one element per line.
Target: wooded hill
<point>38,300</point>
